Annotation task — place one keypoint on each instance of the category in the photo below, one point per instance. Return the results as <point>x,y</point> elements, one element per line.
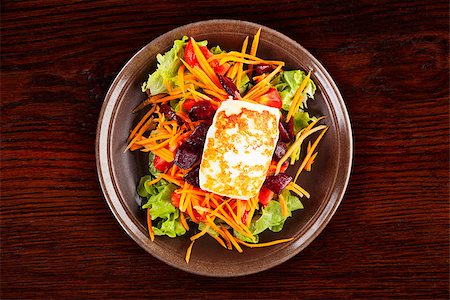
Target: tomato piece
<point>191,58</point>
<point>189,55</point>
<point>271,98</point>
<point>176,199</point>
<point>198,216</point>
<point>160,164</point>
<point>187,105</point>
<point>219,69</point>
<point>265,195</point>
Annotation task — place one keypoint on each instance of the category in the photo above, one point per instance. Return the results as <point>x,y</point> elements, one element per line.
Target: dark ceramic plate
<point>119,172</point>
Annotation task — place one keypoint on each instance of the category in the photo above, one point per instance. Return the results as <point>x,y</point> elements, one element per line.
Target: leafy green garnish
<point>162,210</point>
<point>301,120</point>
<point>272,218</point>
<point>217,50</point>
<point>171,226</point>
<point>211,231</point>
<point>289,82</point>
<point>167,68</point>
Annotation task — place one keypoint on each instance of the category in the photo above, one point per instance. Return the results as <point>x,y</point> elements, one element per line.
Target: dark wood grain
<point>389,238</point>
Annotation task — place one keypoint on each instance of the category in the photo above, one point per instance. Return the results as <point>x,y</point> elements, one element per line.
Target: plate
<point>119,172</point>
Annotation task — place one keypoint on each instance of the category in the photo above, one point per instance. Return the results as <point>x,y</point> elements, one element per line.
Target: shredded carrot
<point>296,145</point>
<point>201,233</point>
<point>149,225</point>
<point>152,182</point>
<point>141,122</point>
<point>310,162</point>
<point>255,43</point>
<point>188,252</point>
<point>240,64</point>
<point>262,86</point>
<point>284,208</point>
<point>170,179</point>
<point>138,136</point>
<point>187,202</point>
<point>148,101</point>
<point>219,231</point>
<point>214,94</point>
<point>181,78</point>
<point>183,221</point>
<point>276,242</point>
<point>218,239</point>
<point>241,60</point>
<point>203,77</point>
<point>250,216</point>
<point>298,190</point>
<point>168,87</point>
<point>153,138</point>
<point>297,98</point>
<point>308,155</point>
<point>204,64</point>
<point>226,220</point>
<point>232,239</point>
<point>226,238</point>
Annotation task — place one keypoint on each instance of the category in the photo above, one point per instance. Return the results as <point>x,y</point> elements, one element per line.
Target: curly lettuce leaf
<point>167,68</point>
<point>272,218</point>
<point>301,120</point>
<point>171,226</point>
<point>162,211</point>
<point>289,82</point>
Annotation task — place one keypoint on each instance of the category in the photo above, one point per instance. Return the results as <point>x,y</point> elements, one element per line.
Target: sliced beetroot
<point>289,127</point>
<point>277,183</point>
<point>198,136</point>
<point>280,151</point>
<point>187,155</point>
<point>229,86</point>
<point>192,177</point>
<point>262,69</point>
<point>284,135</point>
<point>202,110</point>
<point>169,112</point>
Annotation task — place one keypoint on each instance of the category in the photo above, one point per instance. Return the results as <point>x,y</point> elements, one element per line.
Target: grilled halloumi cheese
<point>238,149</point>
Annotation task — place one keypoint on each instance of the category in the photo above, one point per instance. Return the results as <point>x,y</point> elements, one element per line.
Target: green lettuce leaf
<point>167,68</point>
<point>141,188</point>
<point>151,167</point>
<point>159,201</point>
<point>171,226</point>
<point>211,231</point>
<point>289,82</point>
<point>217,50</point>
<point>247,239</point>
<point>245,83</point>
<point>272,218</point>
<point>301,120</point>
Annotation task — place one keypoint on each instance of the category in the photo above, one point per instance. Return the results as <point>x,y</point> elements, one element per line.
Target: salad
<point>184,92</point>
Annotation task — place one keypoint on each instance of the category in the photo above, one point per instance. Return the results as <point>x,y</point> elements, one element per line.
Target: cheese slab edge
<point>238,149</point>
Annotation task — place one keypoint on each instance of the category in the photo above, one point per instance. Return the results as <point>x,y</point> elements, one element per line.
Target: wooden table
<point>388,239</point>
